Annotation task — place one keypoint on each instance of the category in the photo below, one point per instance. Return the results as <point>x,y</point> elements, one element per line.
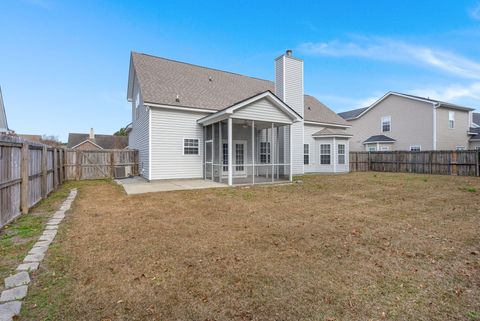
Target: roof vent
<point>309,108</point>
<point>289,52</point>
<point>210,79</point>
<point>177,99</point>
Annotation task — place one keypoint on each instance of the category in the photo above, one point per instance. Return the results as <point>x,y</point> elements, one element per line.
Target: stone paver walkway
<point>17,285</point>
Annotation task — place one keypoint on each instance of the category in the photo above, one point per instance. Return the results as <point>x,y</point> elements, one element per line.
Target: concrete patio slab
<point>138,185</point>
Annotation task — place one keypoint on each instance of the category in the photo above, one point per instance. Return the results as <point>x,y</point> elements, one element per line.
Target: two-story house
<point>405,122</point>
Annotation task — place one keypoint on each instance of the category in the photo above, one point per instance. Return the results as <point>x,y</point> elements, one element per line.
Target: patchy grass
<point>363,246</point>
<point>17,237</point>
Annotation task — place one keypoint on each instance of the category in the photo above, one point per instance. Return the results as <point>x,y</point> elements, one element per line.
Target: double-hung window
<point>306,154</point>
<point>451,119</point>
<point>190,146</point>
<point>325,154</point>
<point>264,153</point>
<point>341,154</point>
<point>386,123</point>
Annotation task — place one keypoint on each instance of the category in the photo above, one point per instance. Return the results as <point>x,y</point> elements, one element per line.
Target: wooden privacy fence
<point>30,171</point>
<point>462,163</point>
<point>94,164</point>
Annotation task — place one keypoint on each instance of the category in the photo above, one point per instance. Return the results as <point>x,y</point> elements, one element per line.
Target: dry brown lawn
<point>363,246</point>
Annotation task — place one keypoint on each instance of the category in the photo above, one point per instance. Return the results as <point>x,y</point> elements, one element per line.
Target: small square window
<point>190,146</point>
<point>415,148</point>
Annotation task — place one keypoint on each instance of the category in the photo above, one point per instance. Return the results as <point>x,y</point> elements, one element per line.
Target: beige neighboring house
<point>94,141</point>
<point>405,122</point>
<point>475,139</point>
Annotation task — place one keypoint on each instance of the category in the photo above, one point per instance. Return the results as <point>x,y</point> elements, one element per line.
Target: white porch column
<point>204,152</point>
<point>272,154</point>
<point>334,153</point>
<point>230,153</point>
<point>291,151</point>
<point>253,152</point>
<point>220,152</point>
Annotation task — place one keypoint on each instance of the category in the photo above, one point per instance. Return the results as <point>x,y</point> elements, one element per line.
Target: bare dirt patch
<point>363,246</point>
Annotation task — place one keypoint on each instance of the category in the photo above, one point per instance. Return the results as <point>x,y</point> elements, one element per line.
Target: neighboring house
<point>94,141</point>
<point>405,122</point>
<point>190,121</point>
<point>31,138</point>
<point>3,116</point>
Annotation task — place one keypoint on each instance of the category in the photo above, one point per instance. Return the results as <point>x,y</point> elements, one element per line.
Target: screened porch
<point>245,152</point>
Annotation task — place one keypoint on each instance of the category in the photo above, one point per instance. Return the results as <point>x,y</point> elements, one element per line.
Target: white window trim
<point>183,147</point>
<point>329,154</point>
<point>344,154</point>
<point>452,119</point>
<point>419,147</point>
<point>460,148</point>
<point>389,118</point>
<point>309,162</point>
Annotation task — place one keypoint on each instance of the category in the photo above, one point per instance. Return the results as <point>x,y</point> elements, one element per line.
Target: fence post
<point>112,163</point>
<point>25,179</point>
<point>369,162</point>
<point>453,166</point>
<point>55,168</point>
<point>44,171</point>
<point>477,161</point>
<point>431,162</point>
<point>78,173</point>
<point>61,164</point>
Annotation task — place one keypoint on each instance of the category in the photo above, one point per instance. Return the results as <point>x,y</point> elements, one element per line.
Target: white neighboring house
<point>190,121</point>
<point>400,121</point>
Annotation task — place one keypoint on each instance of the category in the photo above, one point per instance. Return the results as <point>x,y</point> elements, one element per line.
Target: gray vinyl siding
<point>138,138</point>
<point>448,138</point>
<point>412,124</point>
<point>169,128</point>
<point>314,165</point>
<point>309,131</point>
<point>262,110</point>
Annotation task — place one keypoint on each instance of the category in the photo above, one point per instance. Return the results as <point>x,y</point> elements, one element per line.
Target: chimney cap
<point>289,52</point>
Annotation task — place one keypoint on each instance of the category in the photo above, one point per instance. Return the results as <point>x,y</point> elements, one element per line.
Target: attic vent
<point>210,79</point>
<point>177,99</point>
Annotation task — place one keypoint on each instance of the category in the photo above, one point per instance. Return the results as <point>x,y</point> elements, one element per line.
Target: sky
<point>64,64</point>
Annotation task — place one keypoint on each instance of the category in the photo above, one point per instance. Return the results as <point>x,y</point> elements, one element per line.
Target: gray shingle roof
<point>379,138</point>
<point>161,80</point>
<point>104,141</point>
<point>476,118</point>
<point>331,132</point>
<point>352,113</point>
